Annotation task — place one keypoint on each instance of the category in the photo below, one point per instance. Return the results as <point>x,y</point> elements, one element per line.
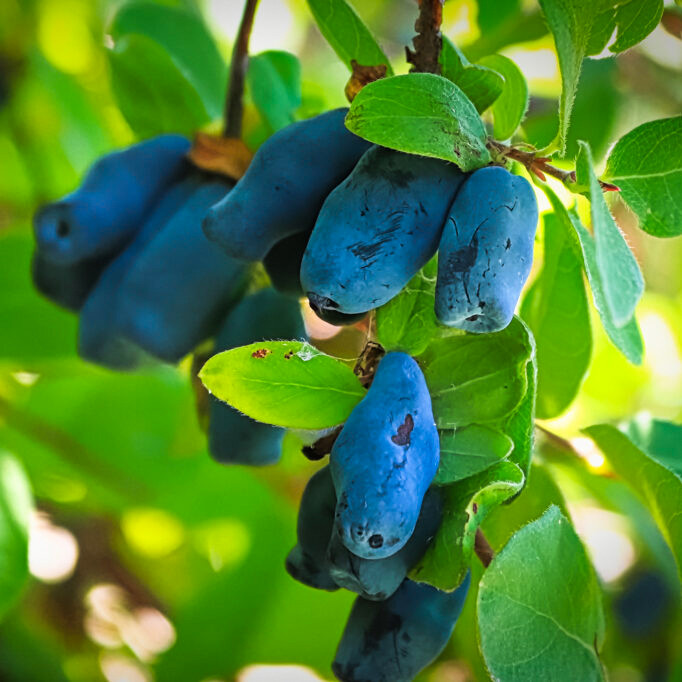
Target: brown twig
<point>540,166</point>
<point>234,106</point>
<point>425,58</point>
<point>368,361</point>
<point>483,549</point>
<point>322,446</point>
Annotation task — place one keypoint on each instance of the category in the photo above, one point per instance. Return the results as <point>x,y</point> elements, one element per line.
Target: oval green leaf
<point>284,383</point>
<point>421,113</point>
<point>159,98</point>
<point>347,34</point>
<point>539,607</point>
<point>647,166</point>
<point>510,107</point>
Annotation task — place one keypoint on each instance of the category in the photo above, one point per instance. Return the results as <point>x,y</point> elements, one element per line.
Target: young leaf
<point>470,450</point>
<point>627,338</point>
<point>274,80</point>
<point>16,504</point>
<point>634,19</point>
<point>656,482</point>
<point>408,322</point>
<point>285,383</point>
<point>466,504</point>
<point>520,426</point>
<point>570,22</point>
<point>539,607</point>
<point>659,439</point>
<point>647,166</point>
<point>187,41</point>
<point>510,107</point>
<point>421,113</point>
<point>621,277</point>
<point>479,83</point>
<point>556,310</point>
<point>477,378</point>
<point>347,34</point>
<point>159,98</point>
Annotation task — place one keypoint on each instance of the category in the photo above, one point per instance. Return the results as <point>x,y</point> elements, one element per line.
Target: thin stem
<point>483,548</point>
<point>234,106</point>
<point>538,165</point>
<point>428,42</point>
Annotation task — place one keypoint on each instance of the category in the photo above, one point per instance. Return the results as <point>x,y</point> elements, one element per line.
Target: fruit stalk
<point>234,107</point>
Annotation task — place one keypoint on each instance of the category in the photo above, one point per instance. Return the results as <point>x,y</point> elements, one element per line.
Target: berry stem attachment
<point>234,106</point>
<point>425,58</point>
<point>540,166</point>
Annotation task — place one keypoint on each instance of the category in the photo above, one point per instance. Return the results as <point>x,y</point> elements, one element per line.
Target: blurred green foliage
<point>119,461</point>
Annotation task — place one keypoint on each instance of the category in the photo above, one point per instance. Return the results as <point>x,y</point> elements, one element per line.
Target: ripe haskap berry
<point>378,579</point>
<point>100,336</point>
<point>486,251</point>
<point>285,185</point>
<point>307,562</point>
<point>376,230</point>
<point>393,640</point>
<point>384,460</point>
<point>234,438</point>
<point>178,289</point>
<point>111,204</point>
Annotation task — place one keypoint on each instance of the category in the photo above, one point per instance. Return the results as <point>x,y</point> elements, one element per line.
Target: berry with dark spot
<point>486,251</point>
<point>377,229</point>
<point>380,471</point>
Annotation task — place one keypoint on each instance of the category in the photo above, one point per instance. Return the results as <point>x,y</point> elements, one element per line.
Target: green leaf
<point>187,41</point>
<point>520,426</point>
<point>470,450</point>
<point>647,166</point>
<point>157,98</point>
<point>421,113</point>
<point>477,378</point>
<point>510,107</point>
<point>274,80</point>
<point>285,383</point>
<point>634,19</point>
<point>556,310</point>
<point>16,504</point>
<point>408,322</point>
<point>343,29</point>
<point>495,13</point>
<point>657,484</point>
<point>539,607</point>
<point>659,439</point>
<point>479,83</point>
<point>466,504</point>
<point>627,338</point>
<point>621,277</point>
<point>570,22</point>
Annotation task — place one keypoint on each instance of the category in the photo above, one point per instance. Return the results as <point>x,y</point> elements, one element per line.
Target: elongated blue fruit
<point>486,251</point>
<point>234,438</point>
<point>393,640</point>
<point>101,338</point>
<point>384,460</point>
<point>376,230</point>
<point>118,192</point>
<point>285,185</point>
<point>178,290</point>
<point>66,285</point>
<point>378,579</point>
<point>307,562</point>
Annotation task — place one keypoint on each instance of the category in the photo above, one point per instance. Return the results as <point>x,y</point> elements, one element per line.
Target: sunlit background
<point>151,562</point>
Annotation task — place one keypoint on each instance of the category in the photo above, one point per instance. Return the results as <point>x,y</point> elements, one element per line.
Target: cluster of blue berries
<point>155,255</point>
